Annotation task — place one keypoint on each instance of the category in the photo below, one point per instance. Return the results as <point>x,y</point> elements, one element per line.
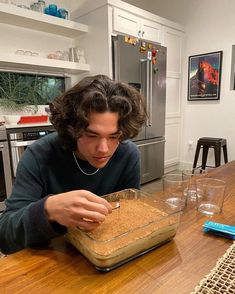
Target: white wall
<point>215,32</point>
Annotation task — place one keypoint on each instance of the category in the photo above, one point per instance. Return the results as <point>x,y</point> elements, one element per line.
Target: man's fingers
<point>96,199</point>
<point>88,215</point>
<point>86,225</point>
<point>94,203</point>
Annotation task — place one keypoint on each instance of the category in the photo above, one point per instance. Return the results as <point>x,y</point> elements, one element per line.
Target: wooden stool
<point>205,143</point>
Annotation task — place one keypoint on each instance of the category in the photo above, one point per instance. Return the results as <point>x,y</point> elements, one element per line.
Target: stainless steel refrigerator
<point>143,65</point>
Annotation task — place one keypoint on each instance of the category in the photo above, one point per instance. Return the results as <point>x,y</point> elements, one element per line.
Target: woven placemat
<point>221,279</point>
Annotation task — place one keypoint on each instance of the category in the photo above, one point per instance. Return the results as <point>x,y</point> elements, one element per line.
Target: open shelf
<point>36,64</point>
<point>17,16</point>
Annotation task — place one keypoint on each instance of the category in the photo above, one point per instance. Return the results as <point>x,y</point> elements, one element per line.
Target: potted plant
<point>16,95</point>
<point>21,94</point>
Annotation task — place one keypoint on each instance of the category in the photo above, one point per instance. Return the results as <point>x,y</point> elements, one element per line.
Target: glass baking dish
<point>138,224</point>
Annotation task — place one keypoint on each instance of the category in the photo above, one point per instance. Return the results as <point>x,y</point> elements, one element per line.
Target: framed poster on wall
<point>204,76</point>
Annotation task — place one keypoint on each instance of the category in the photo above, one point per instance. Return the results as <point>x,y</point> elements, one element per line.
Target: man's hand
<point>78,208</point>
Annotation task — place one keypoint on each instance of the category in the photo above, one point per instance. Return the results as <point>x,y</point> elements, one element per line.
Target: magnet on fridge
<point>154,60</point>
<point>142,47</point>
<point>131,40</point>
<point>143,44</point>
<point>149,55</point>
<point>155,70</point>
<point>154,52</point>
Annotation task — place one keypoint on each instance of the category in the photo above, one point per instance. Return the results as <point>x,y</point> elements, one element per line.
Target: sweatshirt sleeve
<point>24,223</point>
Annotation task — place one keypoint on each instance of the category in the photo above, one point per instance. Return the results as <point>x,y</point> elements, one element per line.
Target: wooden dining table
<point>175,267</point>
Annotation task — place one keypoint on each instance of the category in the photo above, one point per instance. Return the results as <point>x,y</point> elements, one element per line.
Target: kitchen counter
<point>176,267</point>
<point>30,125</point>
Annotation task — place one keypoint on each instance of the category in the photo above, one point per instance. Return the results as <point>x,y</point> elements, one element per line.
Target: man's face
<point>100,140</point>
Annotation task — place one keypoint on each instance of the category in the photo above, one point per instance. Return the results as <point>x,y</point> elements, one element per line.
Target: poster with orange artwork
<point>204,76</point>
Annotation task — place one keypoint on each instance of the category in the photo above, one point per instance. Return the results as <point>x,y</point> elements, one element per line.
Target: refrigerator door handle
<point>144,73</point>
<point>151,143</point>
<point>116,73</point>
<point>150,92</point>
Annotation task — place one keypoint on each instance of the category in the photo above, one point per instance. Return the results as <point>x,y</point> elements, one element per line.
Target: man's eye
<point>115,137</point>
<point>91,135</point>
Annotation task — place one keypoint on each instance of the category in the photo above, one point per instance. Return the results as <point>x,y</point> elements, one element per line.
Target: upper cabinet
<point>151,31</point>
<point>127,23</point>
<point>173,40</point>
<point>40,23</point>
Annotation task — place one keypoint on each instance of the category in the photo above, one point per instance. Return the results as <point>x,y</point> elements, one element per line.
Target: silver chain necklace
<point>75,158</point>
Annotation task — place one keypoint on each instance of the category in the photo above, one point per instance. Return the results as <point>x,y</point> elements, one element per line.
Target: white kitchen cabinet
<point>172,146</point>
<point>173,40</point>
<point>126,23</point>
<point>35,24</point>
<point>129,24</point>
<point>151,31</point>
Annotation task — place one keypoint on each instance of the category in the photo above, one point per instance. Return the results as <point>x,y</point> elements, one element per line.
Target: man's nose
<point>103,145</point>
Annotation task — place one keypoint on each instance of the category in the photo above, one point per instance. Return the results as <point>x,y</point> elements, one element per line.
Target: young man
<point>61,177</point>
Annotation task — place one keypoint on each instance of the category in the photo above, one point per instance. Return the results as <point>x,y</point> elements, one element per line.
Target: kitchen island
<point>175,267</point>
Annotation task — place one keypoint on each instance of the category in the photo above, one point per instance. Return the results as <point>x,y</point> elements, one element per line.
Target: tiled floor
<point>152,187</point>
<point>157,185</point>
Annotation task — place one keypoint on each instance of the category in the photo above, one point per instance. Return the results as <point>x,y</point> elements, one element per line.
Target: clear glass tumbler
<point>210,195</point>
<point>175,190</point>
<point>192,175</point>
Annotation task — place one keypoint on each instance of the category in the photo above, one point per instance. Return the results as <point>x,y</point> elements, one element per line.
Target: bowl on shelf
<point>11,119</point>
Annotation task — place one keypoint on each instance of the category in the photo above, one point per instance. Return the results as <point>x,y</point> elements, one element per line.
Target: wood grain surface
<point>175,267</point>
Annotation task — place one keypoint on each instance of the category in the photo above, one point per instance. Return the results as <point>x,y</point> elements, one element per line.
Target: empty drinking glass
<point>210,195</point>
<point>175,190</point>
<point>192,175</point>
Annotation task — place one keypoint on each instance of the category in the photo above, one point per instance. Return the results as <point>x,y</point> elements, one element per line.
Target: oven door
<point>17,150</point>
<point>5,174</point>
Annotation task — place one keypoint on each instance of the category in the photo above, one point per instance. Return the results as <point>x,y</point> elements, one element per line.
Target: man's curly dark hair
<point>69,112</point>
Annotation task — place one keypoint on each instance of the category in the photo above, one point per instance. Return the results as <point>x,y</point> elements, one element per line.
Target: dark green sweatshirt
<point>47,168</point>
